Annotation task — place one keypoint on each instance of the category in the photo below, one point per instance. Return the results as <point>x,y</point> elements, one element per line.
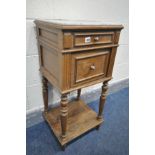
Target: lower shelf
<point>81,119</point>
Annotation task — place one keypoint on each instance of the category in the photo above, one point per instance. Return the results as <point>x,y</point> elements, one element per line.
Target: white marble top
<point>77,22</point>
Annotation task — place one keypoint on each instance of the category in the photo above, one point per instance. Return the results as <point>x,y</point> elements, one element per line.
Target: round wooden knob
<point>92,67</point>
<point>96,38</point>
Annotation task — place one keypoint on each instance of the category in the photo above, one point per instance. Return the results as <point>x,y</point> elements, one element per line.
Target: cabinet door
<point>89,66</point>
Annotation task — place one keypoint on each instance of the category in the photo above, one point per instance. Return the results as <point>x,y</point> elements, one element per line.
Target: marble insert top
<point>77,22</point>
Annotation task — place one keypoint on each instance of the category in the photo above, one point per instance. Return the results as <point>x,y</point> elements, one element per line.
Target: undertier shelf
<point>81,119</point>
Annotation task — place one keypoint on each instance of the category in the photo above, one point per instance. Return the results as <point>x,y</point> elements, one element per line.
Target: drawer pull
<point>92,67</point>
<point>96,39</point>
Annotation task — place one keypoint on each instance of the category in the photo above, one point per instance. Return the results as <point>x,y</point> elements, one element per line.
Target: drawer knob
<point>96,39</point>
<point>92,67</point>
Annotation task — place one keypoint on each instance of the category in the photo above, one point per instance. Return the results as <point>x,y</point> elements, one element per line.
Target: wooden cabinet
<point>73,56</point>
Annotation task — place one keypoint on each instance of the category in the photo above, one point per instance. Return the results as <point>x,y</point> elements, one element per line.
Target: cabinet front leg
<point>45,93</point>
<point>64,115</point>
<point>102,99</point>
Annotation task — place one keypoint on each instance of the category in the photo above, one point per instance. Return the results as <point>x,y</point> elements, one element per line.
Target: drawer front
<point>89,66</point>
<point>84,39</point>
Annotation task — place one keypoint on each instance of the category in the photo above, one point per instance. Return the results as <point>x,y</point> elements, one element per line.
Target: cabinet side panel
<point>50,44</point>
<point>50,61</point>
<point>51,36</point>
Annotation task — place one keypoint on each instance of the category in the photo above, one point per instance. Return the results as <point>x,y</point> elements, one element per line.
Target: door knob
<point>96,39</point>
<point>92,67</point>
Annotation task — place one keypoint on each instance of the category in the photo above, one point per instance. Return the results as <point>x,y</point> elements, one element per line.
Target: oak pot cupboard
<point>74,55</point>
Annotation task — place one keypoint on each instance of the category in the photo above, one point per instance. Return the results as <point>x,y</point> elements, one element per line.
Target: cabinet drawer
<point>84,39</point>
<point>89,66</point>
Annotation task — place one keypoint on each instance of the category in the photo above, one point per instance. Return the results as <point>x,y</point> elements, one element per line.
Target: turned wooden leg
<point>102,99</point>
<point>78,94</point>
<point>64,115</point>
<point>45,93</point>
